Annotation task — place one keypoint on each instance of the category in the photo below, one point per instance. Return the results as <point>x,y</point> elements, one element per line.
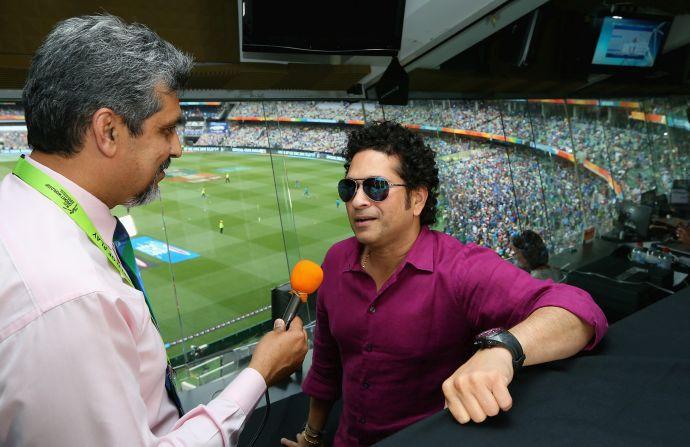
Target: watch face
<point>490,332</point>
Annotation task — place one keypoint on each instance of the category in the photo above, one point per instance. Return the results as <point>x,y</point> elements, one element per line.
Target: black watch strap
<point>501,337</point>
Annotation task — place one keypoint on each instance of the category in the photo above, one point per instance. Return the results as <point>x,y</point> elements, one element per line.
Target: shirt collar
<point>421,255</point>
<point>98,212</point>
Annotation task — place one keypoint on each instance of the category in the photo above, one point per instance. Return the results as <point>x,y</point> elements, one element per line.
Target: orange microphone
<point>305,278</point>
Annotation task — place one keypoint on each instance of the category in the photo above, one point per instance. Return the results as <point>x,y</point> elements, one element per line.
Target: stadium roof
<point>448,49</point>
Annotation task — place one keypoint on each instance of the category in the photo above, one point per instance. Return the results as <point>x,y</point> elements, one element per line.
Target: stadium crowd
<point>13,140</point>
<point>318,138</point>
<point>605,142</point>
<point>334,110</point>
<point>11,111</point>
<point>489,191</point>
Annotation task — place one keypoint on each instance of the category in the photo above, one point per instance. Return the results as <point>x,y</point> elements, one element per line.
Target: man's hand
<point>280,352</point>
<point>479,388</point>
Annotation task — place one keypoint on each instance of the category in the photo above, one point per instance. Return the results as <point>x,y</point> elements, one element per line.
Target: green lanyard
<point>44,184</point>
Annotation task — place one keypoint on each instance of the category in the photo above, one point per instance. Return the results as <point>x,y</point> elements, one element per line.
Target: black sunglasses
<point>376,188</point>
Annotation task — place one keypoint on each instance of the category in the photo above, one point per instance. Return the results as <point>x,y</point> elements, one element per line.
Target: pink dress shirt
<point>387,352</point>
<point>81,363</point>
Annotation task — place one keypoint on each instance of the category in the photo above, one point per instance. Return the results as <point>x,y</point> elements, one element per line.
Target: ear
<point>106,128</point>
<point>419,196</point>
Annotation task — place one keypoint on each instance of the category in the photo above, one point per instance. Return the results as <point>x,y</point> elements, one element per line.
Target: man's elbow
<point>587,332</point>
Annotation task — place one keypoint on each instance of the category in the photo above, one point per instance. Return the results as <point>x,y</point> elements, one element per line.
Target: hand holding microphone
<point>281,351</point>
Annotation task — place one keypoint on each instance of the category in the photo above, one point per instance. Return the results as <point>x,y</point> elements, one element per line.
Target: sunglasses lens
<point>376,188</point>
<point>347,189</point>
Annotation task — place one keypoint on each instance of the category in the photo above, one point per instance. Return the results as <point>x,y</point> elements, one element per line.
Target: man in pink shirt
<point>81,359</point>
<point>405,315</point>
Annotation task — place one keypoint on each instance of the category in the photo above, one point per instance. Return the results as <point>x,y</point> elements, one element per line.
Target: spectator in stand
<point>532,256</point>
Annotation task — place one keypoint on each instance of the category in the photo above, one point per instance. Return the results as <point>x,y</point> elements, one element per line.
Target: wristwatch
<point>501,337</point>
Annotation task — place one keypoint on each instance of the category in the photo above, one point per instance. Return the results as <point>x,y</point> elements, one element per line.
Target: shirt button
<point>368,347</point>
<point>372,309</point>
<point>365,385</point>
<point>362,420</point>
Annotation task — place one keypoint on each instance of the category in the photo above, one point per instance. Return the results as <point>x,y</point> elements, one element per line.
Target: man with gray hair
<point>81,358</point>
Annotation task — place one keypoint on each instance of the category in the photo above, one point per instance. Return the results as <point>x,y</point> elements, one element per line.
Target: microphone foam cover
<point>306,277</point>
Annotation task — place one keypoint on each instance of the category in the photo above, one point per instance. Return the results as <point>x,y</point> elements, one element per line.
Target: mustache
<point>165,165</point>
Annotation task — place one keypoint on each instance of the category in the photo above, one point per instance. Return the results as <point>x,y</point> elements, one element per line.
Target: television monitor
<point>354,27</point>
<point>630,41</point>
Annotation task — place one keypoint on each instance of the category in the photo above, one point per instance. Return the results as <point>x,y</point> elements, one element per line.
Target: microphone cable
<point>263,421</point>
<point>306,276</point>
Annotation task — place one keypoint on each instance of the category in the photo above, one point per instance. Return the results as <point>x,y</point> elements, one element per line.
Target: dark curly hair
<point>417,161</point>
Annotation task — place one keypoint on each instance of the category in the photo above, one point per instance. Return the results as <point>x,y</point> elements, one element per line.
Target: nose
<point>360,200</point>
<point>176,149</point>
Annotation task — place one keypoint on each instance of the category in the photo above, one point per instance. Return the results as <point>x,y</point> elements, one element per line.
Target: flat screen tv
<point>352,27</point>
<point>630,41</point>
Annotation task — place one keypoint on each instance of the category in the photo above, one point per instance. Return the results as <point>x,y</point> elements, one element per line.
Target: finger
<point>458,411</point>
<point>487,401</point>
<point>288,443</point>
<point>296,325</point>
<point>453,403</point>
<point>279,325</point>
<point>503,397</point>
<point>472,406</point>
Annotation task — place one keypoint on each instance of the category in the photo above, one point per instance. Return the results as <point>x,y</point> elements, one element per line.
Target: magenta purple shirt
<point>387,353</point>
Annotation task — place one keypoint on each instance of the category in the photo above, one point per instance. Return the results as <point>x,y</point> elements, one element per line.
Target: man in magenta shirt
<point>401,306</point>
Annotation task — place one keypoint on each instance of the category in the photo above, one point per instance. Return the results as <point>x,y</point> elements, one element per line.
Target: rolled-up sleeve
<point>495,293</point>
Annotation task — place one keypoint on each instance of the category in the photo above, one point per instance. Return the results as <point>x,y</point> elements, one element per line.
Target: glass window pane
<point>310,136</point>
<point>592,136</point>
<point>629,153</point>
<point>220,217</point>
<point>549,121</point>
<point>664,166</point>
<point>477,202</point>
<point>523,170</point>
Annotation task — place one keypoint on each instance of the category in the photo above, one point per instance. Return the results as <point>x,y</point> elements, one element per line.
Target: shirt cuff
<point>582,306</point>
<point>245,390</point>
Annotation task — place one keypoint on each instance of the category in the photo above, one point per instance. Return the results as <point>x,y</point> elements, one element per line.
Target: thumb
<point>279,325</point>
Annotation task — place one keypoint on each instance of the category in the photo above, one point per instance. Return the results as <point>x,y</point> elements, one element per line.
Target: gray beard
<point>151,193</point>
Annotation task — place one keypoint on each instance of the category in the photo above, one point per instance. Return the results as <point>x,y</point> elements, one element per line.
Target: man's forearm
<point>479,388</point>
<point>551,333</point>
<point>318,413</point>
